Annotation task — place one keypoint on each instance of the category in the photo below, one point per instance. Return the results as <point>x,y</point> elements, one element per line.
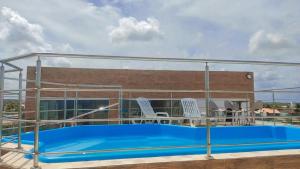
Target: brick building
<point>172,86</point>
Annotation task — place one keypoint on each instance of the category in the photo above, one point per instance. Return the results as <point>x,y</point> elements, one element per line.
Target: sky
<point>227,29</point>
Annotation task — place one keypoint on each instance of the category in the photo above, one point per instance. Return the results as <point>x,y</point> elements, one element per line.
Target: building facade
<point>89,89</point>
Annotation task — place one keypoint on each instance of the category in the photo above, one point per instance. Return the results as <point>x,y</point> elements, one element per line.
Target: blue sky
<point>227,29</point>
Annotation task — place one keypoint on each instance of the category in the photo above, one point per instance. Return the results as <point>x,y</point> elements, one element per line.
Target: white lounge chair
<point>191,111</point>
<point>217,106</point>
<point>230,108</point>
<point>239,116</point>
<point>148,112</point>
<point>246,113</point>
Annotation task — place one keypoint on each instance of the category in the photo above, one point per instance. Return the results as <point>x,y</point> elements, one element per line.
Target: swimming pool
<point>150,140</point>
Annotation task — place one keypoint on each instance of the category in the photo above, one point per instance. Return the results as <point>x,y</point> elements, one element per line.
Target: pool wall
<point>234,136</point>
<point>199,133</point>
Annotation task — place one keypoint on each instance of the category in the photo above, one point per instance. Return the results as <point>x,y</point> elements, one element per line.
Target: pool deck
<point>281,159</point>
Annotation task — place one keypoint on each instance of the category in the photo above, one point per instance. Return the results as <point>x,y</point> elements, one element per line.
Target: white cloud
<point>191,28</point>
<point>268,75</point>
<point>4,32</point>
<point>262,41</point>
<point>66,48</point>
<point>130,29</point>
<point>84,30</point>
<point>238,15</point>
<point>59,62</point>
<point>20,35</point>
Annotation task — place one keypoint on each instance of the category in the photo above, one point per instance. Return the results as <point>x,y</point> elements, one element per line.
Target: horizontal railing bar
<point>164,91</point>
<point>12,90</point>
<point>122,150</point>
<point>79,85</point>
<point>160,118</point>
<point>256,143</point>
<point>65,84</point>
<point>146,90</point>
<point>6,60</point>
<point>116,90</point>
<point>62,84</point>
<point>168,147</point>
<point>101,109</point>
<point>278,89</point>
<point>13,128</point>
<point>119,86</point>
<point>136,58</point>
<point>11,71</point>
<point>10,137</point>
<point>16,120</point>
<point>16,79</point>
<point>61,110</point>
<point>143,118</point>
<point>10,112</point>
<point>11,65</point>
<point>10,141</point>
<point>134,99</point>
<point>174,107</point>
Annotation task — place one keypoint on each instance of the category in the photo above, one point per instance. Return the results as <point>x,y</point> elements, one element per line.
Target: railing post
<point>129,105</point>
<point>273,106</point>
<point>171,94</point>
<point>248,112</point>
<point>1,104</point>
<point>20,111</point>
<point>120,106</point>
<point>76,106</point>
<point>65,105</point>
<point>37,115</point>
<point>207,100</point>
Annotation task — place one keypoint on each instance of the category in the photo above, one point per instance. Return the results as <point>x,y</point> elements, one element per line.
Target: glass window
<point>173,107</point>
<point>70,109</point>
<point>130,109</point>
<point>84,106</point>
<point>54,109</point>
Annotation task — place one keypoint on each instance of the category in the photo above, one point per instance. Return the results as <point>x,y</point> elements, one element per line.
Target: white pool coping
<point>17,160</point>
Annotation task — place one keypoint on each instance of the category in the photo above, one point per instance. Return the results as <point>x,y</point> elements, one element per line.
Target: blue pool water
<point>147,138</point>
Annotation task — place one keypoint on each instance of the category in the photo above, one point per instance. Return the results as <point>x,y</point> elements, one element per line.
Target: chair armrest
<point>163,114</point>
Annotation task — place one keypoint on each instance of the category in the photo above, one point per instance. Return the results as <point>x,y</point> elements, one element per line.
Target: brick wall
<point>139,79</point>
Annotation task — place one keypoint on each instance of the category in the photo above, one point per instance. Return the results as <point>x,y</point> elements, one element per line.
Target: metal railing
<point>39,88</point>
<point>43,122</point>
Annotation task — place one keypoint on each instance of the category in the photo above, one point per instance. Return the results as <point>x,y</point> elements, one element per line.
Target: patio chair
<point>191,111</point>
<point>217,107</point>
<point>148,112</point>
<point>246,116</point>
<point>236,113</point>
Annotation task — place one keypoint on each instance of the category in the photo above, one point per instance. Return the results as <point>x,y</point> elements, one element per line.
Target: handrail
<point>137,58</point>
<point>167,147</point>
<point>149,90</point>
<point>94,111</point>
<point>84,87</point>
<point>10,141</point>
<point>143,118</point>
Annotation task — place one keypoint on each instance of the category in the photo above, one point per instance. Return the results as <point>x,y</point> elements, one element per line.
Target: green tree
<point>11,106</point>
<point>297,108</point>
